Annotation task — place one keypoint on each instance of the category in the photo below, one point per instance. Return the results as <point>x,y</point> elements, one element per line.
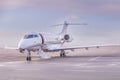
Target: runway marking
<point>1,65</point>
<point>112,64</point>
<point>93,59</point>
<point>10,64</point>
<point>80,70</point>
<point>28,69</point>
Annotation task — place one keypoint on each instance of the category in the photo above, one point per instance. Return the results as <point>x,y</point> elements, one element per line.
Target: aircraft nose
<point>21,44</point>
<point>21,47</point>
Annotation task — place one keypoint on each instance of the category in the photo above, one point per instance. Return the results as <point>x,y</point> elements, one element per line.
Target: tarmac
<point>73,67</point>
<point>70,68</point>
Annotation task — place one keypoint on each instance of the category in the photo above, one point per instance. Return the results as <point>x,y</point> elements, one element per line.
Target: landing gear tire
<point>28,58</point>
<point>62,54</point>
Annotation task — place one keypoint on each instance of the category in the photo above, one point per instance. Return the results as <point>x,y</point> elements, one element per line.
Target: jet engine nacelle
<point>67,38</point>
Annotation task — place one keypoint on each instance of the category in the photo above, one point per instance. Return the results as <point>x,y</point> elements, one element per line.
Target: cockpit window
<point>35,35</point>
<point>30,36</point>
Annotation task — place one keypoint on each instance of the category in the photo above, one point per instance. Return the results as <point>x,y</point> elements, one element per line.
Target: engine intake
<point>67,38</point>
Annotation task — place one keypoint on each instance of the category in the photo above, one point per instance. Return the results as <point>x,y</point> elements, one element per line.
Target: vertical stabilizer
<point>65,27</point>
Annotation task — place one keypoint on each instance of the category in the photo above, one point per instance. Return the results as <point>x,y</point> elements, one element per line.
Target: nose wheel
<point>28,55</point>
<point>28,58</point>
<point>62,54</point>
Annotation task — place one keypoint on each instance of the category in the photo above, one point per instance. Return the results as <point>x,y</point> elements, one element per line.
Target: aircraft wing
<point>82,47</point>
<point>11,48</point>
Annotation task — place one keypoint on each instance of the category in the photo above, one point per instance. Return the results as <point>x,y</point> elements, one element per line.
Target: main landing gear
<point>62,54</point>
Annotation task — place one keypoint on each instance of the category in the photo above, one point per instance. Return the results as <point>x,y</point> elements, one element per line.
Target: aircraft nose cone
<point>21,45</point>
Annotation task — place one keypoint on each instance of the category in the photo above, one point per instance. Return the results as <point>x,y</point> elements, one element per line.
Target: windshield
<point>30,36</point>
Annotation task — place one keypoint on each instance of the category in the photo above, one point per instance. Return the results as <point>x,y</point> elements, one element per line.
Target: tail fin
<point>65,27</point>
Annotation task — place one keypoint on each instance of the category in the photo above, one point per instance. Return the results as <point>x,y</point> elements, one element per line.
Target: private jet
<point>46,42</point>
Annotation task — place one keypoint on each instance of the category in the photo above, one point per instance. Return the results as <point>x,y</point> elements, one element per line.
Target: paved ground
<point>74,67</point>
<point>70,68</point>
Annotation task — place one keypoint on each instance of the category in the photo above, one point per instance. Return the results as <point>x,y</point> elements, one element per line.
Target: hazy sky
<point>22,16</point>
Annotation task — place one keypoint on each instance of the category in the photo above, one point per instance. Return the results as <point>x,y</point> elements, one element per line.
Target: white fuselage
<point>42,42</point>
<point>34,41</point>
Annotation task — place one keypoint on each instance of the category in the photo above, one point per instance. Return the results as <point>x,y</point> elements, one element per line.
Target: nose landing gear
<point>28,58</point>
<point>28,55</point>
